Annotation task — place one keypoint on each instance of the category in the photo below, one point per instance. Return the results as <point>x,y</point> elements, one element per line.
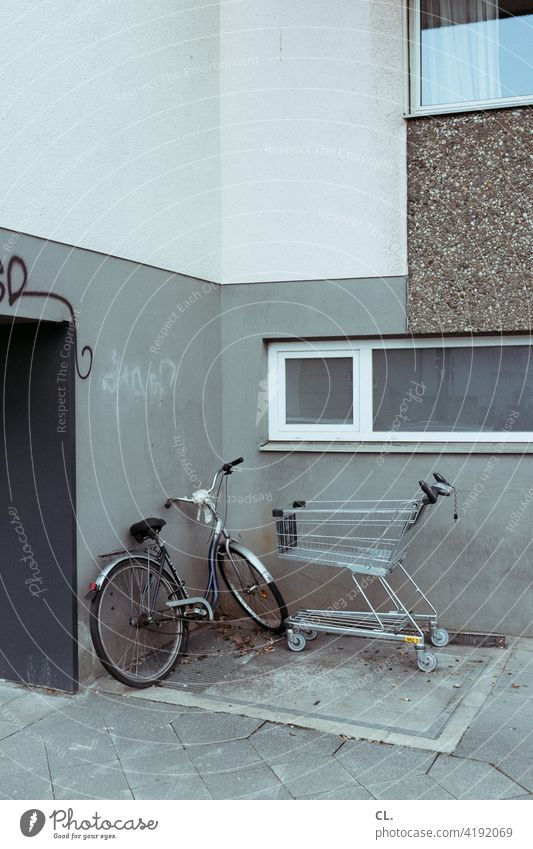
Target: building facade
<point>290,232</point>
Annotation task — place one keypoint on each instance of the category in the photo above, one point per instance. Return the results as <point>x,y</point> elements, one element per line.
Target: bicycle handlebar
<point>227,467</point>
<point>224,469</point>
<point>170,501</point>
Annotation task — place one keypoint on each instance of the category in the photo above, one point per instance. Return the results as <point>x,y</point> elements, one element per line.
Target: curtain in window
<point>460,51</point>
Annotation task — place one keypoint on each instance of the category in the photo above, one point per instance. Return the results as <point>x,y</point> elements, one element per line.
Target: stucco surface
<point>469,222</point>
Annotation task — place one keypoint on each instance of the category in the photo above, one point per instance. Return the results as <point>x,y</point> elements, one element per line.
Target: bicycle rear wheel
<point>260,600</point>
<point>137,638</point>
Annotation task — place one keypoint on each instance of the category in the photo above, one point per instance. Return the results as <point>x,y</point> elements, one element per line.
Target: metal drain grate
<point>203,672</point>
<point>214,653</point>
<point>486,640</point>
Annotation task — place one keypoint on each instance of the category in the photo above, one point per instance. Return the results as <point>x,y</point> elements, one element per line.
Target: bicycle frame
<point>199,607</point>
<point>164,560</point>
<point>221,540</point>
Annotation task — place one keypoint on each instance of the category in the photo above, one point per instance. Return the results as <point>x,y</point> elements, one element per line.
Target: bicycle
<point>140,609</point>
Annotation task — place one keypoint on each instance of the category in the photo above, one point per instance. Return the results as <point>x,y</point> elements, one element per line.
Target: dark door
<point>37,496</point>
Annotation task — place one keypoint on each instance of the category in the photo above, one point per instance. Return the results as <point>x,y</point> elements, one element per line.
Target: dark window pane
<point>319,390</point>
<point>475,50</point>
<point>453,389</point>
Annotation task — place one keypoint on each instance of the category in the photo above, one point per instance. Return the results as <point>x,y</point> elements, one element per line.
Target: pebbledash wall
<point>469,209</point>
<point>263,146</point>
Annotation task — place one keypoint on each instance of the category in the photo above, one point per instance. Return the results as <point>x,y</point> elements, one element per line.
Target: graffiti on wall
<point>15,285</point>
<point>137,383</point>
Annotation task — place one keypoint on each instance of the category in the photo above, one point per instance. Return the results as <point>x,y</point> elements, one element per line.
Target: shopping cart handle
<point>428,492</point>
<point>440,478</point>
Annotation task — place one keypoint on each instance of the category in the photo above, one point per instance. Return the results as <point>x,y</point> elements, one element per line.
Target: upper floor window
<point>470,54</point>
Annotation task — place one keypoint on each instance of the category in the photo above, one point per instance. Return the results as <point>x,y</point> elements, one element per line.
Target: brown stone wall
<point>469,222</point>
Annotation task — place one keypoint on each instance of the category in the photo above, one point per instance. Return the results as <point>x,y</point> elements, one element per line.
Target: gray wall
<point>148,417</point>
<point>179,381</point>
<point>477,570</point>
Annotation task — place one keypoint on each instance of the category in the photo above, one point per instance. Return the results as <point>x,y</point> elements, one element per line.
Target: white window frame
<point>277,355</point>
<point>414,106</point>
<point>361,429</point>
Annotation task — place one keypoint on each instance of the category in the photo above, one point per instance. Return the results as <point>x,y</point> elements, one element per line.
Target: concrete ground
<point>245,719</point>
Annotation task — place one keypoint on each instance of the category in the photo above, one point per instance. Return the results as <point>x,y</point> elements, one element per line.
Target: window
<point>402,390</point>
<point>314,391</point>
<point>469,54</point>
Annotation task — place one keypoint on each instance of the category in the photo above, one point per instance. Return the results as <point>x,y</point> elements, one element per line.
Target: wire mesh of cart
<point>370,539</point>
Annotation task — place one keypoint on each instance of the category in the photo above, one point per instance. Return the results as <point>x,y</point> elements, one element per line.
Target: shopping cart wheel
<point>296,642</point>
<point>427,661</point>
<point>440,637</point>
<point>310,634</point>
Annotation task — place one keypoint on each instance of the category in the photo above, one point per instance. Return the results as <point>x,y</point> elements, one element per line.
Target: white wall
<point>313,140</point>
<point>121,121</point>
<point>110,127</point>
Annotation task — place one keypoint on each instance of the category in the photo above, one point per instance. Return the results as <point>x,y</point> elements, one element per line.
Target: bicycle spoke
<point>259,600</point>
<point>138,643</point>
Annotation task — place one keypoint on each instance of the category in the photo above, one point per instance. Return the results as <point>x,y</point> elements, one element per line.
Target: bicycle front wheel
<point>260,600</point>
<point>136,636</point>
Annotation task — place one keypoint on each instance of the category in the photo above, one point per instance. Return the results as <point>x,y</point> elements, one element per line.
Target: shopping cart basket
<point>369,538</point>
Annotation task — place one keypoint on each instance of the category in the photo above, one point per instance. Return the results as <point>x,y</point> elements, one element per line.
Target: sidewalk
<point>112,743</point>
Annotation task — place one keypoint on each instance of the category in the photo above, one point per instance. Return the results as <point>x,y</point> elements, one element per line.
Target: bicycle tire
<point>134,652</point>
<point>248,587</point>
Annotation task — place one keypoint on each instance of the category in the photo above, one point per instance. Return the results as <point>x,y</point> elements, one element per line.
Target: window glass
<point>453,389</point>
<point>319,390</point>
<point>475,50</point>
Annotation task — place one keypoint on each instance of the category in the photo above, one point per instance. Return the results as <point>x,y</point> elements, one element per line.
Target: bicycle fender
<point>107,568</point>
<point>254,560</point>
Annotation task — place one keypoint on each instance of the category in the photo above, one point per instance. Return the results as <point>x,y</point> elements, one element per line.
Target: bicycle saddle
<point>146,529</point>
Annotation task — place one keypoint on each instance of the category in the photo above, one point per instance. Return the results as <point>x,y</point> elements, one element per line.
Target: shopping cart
<point>369,538</point>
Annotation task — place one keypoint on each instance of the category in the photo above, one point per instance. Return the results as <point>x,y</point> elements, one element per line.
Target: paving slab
<point>502,731</point>
<point>24,784</point>
<point>111,742</point>
<point>256,782</point>
<point>171,764</point>
<point>391,772</point>
<point>24,768</point>
<point>224,757</point>
<point>107,781</point>
<point>9,691</point>
<point>82,742</point>
<point>415,787</point>
<point>518,768</point>
<point>352,790</point>
<point>308,774</point>
<point>7,729</point>
<point>357,688</point>
<point>467,779</point>
<point>277,742</point>
<point>157,742</point>
<point>25,755</point>
<point>211,728</point>
<point>187,787</point>
<point>372,764</point>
